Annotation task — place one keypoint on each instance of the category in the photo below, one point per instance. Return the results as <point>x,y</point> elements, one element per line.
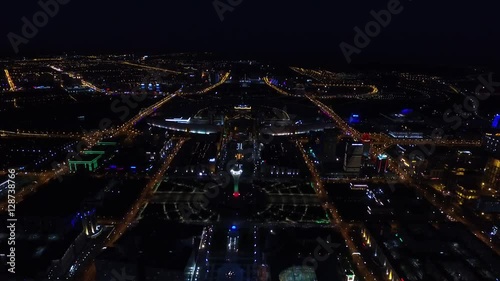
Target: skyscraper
<point>492,175</point>
<point>353,157</point>
<point>382,163</point>
<point>329,143</point>
<point>491,143</point>
<point>366,140</point>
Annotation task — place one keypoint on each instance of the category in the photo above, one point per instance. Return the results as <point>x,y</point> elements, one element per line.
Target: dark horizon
<point>420,33</point>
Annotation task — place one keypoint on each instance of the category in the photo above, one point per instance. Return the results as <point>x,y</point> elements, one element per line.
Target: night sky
<point>426,31</point>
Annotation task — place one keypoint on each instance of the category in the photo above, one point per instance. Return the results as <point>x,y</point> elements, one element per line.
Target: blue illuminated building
<point>406,111</point>
<point>354,119</point>
<point>496,122</point>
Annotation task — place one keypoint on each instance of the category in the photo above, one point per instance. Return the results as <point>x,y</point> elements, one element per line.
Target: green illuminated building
<point>89,160</point>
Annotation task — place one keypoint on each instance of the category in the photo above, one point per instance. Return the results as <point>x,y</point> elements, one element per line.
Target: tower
<point>365,139</point>
<point>236,178</point>
<point>353,157</point>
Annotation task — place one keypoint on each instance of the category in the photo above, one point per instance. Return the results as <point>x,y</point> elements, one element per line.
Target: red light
<point>236,194</point>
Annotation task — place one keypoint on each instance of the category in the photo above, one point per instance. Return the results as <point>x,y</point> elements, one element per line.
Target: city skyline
<point>233,140</point>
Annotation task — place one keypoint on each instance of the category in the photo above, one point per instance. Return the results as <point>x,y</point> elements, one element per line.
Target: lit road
<point>145,196</point>
<point>326,76</point>
<point>91,138</point>
<point>283,92</point>
<point>35,134</point>
<point>348,130</point>
<point>385,140</point>
<point>455,214</point>
<point>358,180</point>
<point>79,77</point>
<point>374,89</point>
<point>344,228</point>
<point>12,86</point>
<point>394,165</point>
<point>405,175</point>
<point>42,180</point>
<point>378,138</point>
<point>320,75</point>
<point>151,67</point>
<point>203,255</point>
<point>91,248</point>
<point>121,226</point>
<point>222,81</point>
<point>128,126</point>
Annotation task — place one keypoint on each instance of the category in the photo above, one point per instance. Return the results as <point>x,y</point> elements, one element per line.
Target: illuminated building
<point>354,119</point>
<point>236,178</point>
<point>366,140</point>
<point>492,175</point>
<point>230,260</point>
<point>298,273</point>
<point>462,165</point>
<point>496,122</point>
<point>491,143</point>
<point>243,107</point>
<point>465,193</point>
<point>353,157</point>
<point>355,186</point>
<point>88,159</point>
<point>382,163</point>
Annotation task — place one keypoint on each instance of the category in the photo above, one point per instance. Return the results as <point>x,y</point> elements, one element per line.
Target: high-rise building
<point>495,124</point>
<point>463,163</point>
<point>492,175</point>
<point>366,140</point>
<point>382,163</point>
<point>491,143</point>
<point>354,119</point>
<point>329,143</point>
<point>236,179</point>
<point>353,157</point>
